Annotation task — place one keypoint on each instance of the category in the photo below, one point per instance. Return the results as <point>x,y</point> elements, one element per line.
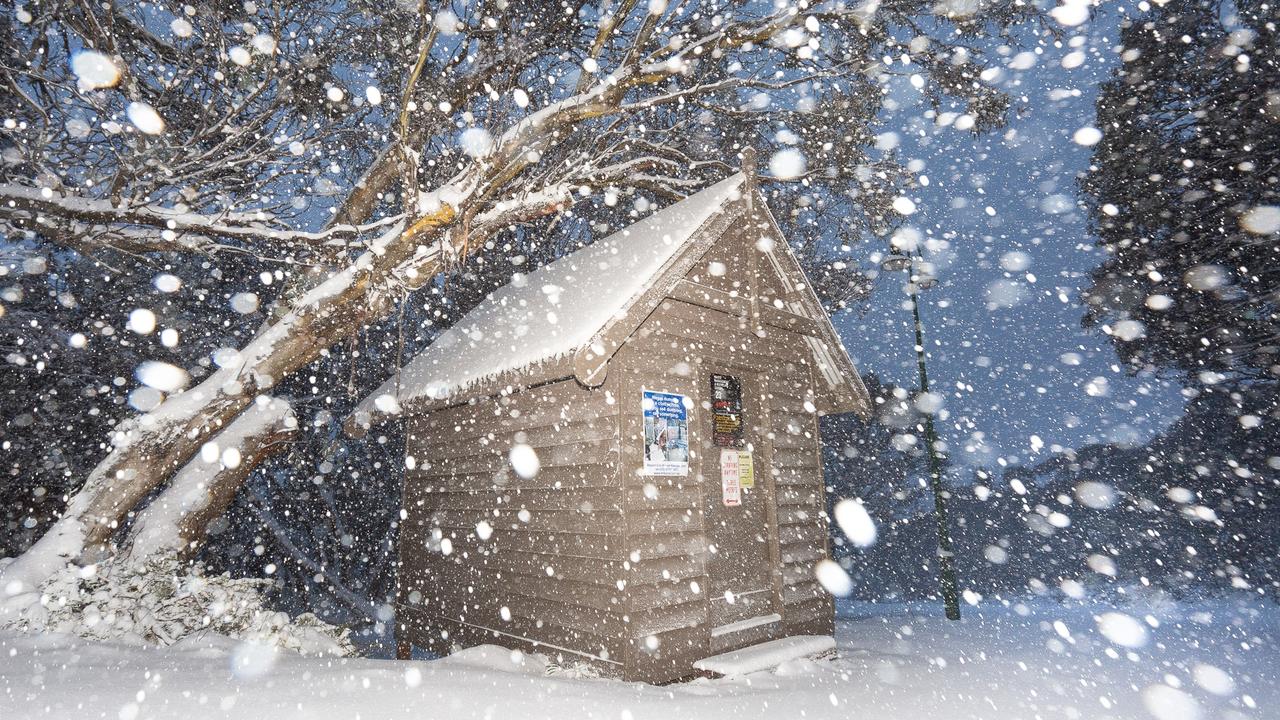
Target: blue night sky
<point>1012,359</point>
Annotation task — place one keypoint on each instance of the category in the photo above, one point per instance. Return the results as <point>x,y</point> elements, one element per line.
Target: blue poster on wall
<point>666,433</point>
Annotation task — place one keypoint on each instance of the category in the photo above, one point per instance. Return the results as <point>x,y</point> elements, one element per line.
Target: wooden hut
<point>615,457</point>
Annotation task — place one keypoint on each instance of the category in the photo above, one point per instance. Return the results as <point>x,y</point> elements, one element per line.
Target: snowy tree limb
<point>177,231</point>
<point>175,521</point>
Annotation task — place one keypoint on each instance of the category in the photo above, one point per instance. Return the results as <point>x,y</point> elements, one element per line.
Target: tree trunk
<point>175,521</point>
<point>149,449</point>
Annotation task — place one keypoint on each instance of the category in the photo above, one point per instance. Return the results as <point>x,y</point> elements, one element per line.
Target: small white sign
<point>730,477</point>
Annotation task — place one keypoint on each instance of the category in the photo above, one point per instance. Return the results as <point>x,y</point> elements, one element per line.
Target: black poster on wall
<point>726,410</point>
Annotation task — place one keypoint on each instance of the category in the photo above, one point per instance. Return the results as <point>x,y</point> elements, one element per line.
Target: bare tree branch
<point>177,231</point>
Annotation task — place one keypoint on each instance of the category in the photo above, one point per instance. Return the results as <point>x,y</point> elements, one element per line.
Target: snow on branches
<point>162,601</point>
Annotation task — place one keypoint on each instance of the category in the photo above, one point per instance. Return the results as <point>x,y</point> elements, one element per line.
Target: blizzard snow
<point>1033,659</point>
<point>556,309</point>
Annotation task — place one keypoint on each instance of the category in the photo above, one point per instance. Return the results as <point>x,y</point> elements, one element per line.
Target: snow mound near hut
<point>494,657</point>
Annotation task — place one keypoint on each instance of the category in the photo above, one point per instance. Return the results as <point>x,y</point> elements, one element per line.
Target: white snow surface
<point>1030,658</point>
<point>556,309</point>
<point>767,655</point>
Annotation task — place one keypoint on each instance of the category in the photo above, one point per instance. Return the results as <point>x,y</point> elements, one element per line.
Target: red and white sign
<point>730,477</point>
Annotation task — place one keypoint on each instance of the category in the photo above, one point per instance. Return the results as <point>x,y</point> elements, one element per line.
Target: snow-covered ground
<point>1029,660</point>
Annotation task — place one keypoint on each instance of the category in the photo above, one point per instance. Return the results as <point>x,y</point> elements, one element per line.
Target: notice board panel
<point>726,410</point>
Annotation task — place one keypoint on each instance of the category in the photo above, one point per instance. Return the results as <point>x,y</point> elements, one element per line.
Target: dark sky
<point>1001,200</point>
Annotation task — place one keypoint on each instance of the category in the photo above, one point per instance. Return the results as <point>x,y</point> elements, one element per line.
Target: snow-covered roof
<point>555,310</point>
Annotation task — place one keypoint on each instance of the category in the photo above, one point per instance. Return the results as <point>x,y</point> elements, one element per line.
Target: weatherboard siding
<point>552,538</point>
<point>673,350</point>
<point>802,529</point>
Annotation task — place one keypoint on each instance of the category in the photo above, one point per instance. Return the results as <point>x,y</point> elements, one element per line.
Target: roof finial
<point>749,165</point>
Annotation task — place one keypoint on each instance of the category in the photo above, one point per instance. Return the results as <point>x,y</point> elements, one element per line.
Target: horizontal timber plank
<point>659,570</point>
<point>802,552</point>
<point>496,459</point>
<point>791,515</point>
<point>554,589</point>
<point>586,475</point>
<point>666,618</point>
<point>807,495</point>
<point>447,441</point>
<point>803,592</point>
<point>540,439</point>
<point>644,599</point>
<point>569,615</point>
<point>791,457</point>
<point>659,522</point>
<point>797,573</point>
<point>791,441</point>
<point>810,532</point>
<point>668,545</point>
<point>509,501</point>
<point>596,571</point>
<point>584,545</point>
<point>669,496</point>
<point>815,611</point>
<point>600,522</point>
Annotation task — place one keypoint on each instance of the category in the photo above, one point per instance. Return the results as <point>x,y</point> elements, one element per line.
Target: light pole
<point>916,280</point>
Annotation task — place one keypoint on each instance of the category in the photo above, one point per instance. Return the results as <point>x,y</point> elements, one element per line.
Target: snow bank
<point>1026,658</point>
<point>767,655</point>
<point>497,658</point>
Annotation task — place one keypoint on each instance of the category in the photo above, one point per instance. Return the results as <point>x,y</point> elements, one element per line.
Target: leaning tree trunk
<point>149,449</point>
<point>175,521</point>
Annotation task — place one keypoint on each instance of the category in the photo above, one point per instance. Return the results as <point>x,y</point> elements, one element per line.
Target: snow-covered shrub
<point>573,669</point>
<point>163,600</point>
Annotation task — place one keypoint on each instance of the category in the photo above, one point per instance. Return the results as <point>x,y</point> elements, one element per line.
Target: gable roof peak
<point>554,311</point>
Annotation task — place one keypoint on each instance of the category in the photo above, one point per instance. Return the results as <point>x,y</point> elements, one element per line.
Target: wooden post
<point>753,253</point>
<point>404,648</point>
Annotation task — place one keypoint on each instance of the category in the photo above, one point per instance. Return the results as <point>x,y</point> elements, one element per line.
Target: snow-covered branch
<point>175,230</point>
<point>174,521</point>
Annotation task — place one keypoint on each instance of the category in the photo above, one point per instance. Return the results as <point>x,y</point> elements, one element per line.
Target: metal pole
<point>946,556</point>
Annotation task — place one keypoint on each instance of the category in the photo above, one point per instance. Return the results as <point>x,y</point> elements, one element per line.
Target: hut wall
<point>674,350</point>
<point>549,570</point>
<point>606,562</point>
<point>802,524</point>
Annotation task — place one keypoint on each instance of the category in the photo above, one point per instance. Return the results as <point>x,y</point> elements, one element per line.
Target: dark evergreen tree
<point>1184,192</point>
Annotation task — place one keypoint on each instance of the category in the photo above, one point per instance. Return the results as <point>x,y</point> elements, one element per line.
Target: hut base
<point>767,655</point>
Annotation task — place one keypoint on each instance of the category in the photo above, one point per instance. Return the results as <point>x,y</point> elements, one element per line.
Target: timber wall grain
<point>672,351</point>
<point>549,569</point>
